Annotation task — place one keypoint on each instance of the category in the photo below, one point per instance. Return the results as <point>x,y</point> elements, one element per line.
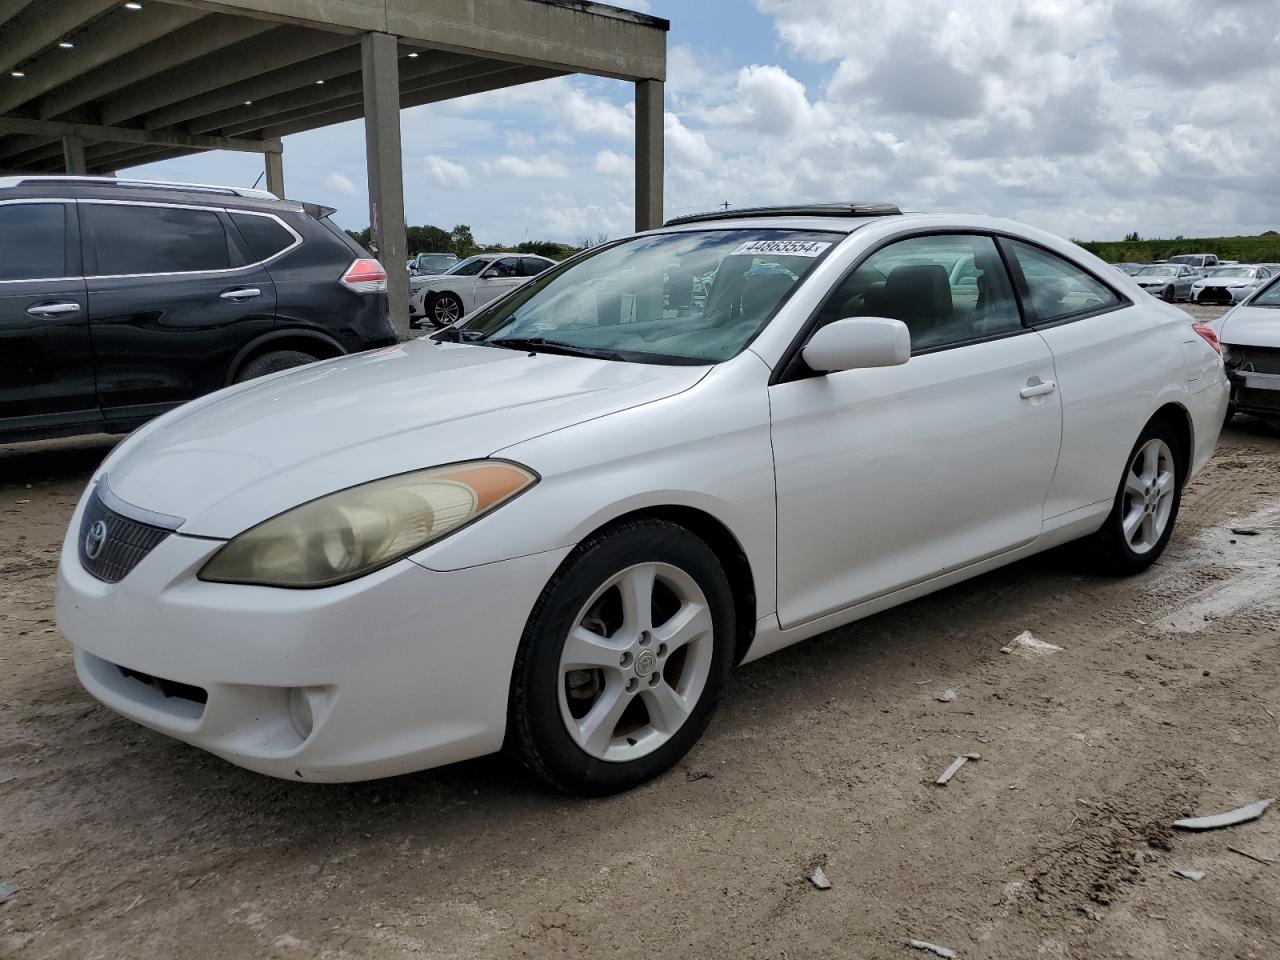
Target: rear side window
<point>130,239</point>
<point>33,241</point>
<point>265,236</point>
<point>532,266</point>
<point>1059,289</point>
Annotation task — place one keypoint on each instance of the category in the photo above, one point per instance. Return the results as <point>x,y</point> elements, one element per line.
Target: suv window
<point>532,266</point>
<point>130,238</point>
<point>33,241</point>
<point>264,235</point>
<point>1060,289</point>
<point>948,289</point>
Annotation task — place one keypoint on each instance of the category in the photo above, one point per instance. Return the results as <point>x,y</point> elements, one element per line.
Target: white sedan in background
<point>677,452</point>
<point>1250,335</point>
<point>1230,284</point>
<point>469,285</point>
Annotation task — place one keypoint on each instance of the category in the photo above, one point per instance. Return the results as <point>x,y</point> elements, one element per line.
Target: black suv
<point>121,299</point>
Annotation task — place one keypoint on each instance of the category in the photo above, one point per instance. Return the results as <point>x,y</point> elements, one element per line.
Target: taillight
<point>365,276</point>
<point>1209,334</point>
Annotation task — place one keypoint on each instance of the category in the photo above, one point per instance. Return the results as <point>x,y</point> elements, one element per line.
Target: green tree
<point>461,242</point>
<point>428,239</point>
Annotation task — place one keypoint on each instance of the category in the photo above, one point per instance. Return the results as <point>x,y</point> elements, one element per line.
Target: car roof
<point>121,188</point>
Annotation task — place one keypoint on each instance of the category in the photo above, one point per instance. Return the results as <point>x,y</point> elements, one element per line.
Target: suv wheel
<point>273,362</point>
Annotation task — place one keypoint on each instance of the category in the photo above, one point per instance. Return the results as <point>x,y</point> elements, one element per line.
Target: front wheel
<point>444,309</point>
<point>623,660</point>
<point>1146,506</point>
<point>1169,295</point>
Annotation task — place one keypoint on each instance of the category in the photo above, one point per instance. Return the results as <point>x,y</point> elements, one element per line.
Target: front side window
<point>687,297</point>
<point>947,289</point>
<point>1059,289</point>
<point>506,267</point>
<point>33,241</point>
<point>134,239</point>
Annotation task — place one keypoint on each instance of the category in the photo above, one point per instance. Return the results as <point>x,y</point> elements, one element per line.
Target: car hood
<point>1250,327</point>
<point>422,279</point>
<point>235,458</point>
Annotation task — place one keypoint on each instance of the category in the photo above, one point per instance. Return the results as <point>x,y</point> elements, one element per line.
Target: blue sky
<point>1090,118</point>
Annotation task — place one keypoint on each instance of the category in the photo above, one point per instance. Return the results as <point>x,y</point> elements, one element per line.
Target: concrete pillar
<point>379,53</point>
<point>275,173</point>
<point>649,139</point>
<point>73,156</point>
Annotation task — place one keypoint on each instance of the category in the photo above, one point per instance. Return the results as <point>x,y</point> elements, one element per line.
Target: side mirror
<point>858,342</point>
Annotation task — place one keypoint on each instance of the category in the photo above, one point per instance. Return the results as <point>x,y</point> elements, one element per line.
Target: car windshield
<point>469,267</point>
<point>1194,261</point>
<point>687,297</point>
<point>1233,272</point>
<point>1269,297</point>
<point>1158,271</point>
<point>436,261</point>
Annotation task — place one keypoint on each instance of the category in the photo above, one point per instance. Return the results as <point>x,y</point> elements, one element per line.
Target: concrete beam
<point>239,118</point>
<point>381,71</point>
<point>182,87</point>
<point>182,46</point>
<point>99,134</point>
<point>73,155</point>
<point>135,158</point>
<point>650,117</point>
<point>11,8</point>
<point>569,35</point>
<point>275,173</point>
<point>408,87</point>
<point>42,25</point>
<point>117,36</point>
<point>510,77</point>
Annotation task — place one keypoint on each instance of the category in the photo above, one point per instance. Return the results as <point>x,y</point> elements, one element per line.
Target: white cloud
<point>341,183</point>
<point>544,167</point>
<point>447,173</point>
<point>611,163</point>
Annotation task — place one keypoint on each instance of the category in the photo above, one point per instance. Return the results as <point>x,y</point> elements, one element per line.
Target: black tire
<point>1111,552</point>
<point>273,362</point>
<point>443,303</point>
<point>1169,295</point>
<point>536,733</point>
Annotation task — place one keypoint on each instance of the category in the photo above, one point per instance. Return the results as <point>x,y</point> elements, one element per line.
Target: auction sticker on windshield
<point>789,248</point>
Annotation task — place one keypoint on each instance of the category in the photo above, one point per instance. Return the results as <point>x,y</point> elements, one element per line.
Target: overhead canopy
<point>97,86</point>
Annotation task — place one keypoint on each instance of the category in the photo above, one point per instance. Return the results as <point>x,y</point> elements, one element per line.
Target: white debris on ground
<point>1229,819</point>
<point>956,764</point>
<point>931,947</point>
<point>819,879</point>
<point>1027,645</point>
<point>947,696</point>
<point>1189,874</point>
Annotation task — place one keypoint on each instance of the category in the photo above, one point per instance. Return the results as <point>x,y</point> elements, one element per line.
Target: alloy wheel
<point>636,661</point>
<point>1149,487</point>
<point>446,310</point>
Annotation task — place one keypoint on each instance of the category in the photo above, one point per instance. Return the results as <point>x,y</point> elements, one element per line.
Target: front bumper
<point>405,669</point>
<point>1220,294</point>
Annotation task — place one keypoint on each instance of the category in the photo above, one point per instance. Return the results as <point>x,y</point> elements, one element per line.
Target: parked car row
<point>121,299</point>
<point>1216,283</point>
<point>444,298</point>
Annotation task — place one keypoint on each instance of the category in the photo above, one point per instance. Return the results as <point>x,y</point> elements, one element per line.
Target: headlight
<point>355,531</point>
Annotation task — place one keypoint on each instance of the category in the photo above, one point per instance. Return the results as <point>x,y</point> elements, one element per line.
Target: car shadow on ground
<point>51,461</point>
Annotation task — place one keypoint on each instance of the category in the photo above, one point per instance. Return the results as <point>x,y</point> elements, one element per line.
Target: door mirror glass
<point>858,342</point>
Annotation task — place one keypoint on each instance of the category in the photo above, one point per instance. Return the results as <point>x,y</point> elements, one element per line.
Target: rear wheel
<point>1146,505</point>
<point>273,362</point>
<point>623,660</point>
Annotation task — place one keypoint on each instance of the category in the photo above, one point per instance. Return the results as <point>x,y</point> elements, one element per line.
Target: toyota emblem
<point>95,539</point>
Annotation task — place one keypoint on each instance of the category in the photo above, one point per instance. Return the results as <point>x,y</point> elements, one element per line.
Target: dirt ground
<point>1164,702</point>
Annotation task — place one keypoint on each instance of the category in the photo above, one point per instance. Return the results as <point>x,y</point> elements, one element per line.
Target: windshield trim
<point>544,278</point>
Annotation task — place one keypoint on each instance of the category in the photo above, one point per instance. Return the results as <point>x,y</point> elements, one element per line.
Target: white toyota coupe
<point>557,525</point>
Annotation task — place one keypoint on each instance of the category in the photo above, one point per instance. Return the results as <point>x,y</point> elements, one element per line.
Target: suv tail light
<point>365,276</point>
<point>1209,334</point>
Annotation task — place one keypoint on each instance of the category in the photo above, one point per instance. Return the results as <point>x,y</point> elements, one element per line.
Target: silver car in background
<point>1230,284</point>
<point>1168,281</point>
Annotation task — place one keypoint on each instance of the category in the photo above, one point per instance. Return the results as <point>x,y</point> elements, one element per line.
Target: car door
<point>173,296</point>
<point>891,476</point>
<point>497,278</point>
<point>1106,355</point>
<point>1186,277</point>
<point>46,367</point>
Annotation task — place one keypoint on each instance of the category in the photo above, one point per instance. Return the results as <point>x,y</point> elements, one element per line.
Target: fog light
<point>300,712</point>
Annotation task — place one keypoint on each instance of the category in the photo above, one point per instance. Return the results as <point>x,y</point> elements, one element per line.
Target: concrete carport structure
<point>98,86</point>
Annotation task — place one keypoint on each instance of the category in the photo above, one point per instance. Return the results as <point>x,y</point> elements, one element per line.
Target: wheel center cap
<point>646,661</point>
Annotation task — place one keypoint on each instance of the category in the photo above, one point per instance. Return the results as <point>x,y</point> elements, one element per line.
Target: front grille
<point>1257,359</point>
<point>118,545</point>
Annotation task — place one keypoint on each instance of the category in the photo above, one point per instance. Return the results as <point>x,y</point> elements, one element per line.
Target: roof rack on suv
<point>128,182</point>
<point>856,209</point>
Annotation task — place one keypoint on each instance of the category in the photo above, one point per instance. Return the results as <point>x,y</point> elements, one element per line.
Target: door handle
<point>52,309</point>
<point>241,293</point>
<point>1037,388</point>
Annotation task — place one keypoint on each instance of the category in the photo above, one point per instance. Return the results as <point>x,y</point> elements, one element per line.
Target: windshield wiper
<point>543,345</point>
